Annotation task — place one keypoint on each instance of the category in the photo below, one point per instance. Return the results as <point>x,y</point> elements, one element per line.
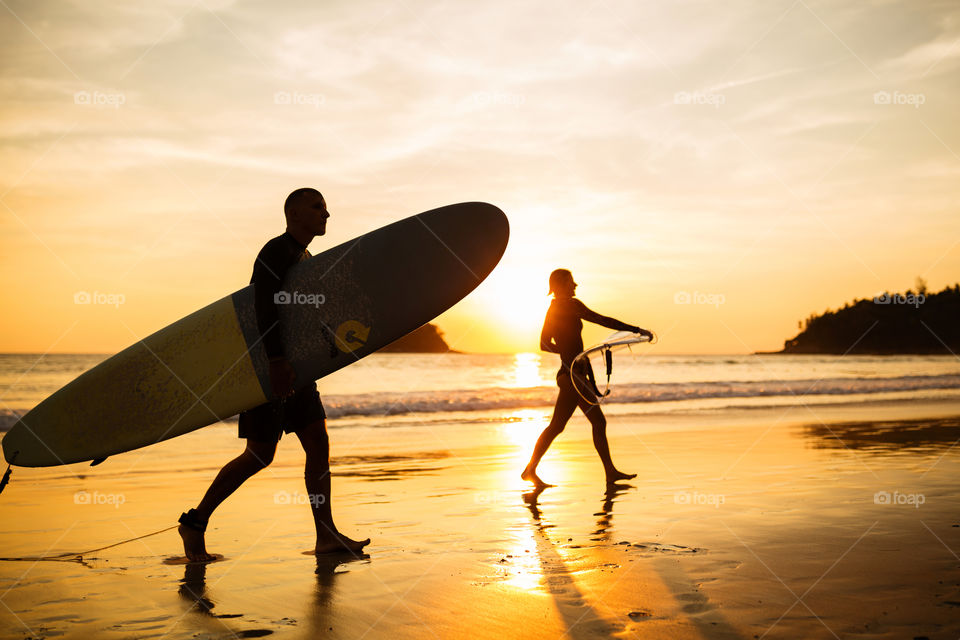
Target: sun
<point>518,299</point>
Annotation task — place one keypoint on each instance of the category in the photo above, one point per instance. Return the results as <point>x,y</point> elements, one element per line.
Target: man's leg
<point>316,473</point>
<point>255,457</point>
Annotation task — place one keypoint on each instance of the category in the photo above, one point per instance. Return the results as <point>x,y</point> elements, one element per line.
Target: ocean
<point>384,390</point>
<point>754,474</point>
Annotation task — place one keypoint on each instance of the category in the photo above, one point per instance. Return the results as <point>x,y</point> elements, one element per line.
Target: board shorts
<point>270,420</point>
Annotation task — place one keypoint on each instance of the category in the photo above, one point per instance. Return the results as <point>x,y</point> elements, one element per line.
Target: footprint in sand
<point>640,614</point>
<point>697,602</point>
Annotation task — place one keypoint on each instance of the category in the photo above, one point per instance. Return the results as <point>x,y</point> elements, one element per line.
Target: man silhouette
<point>298,411</point>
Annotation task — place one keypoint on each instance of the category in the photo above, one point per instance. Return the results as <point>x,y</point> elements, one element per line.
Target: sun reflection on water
<point>522,427</point>
<point>526,370</point>
<point>523,567</point>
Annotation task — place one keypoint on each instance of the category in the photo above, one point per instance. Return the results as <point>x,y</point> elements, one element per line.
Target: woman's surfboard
<point>603,353</point>
<point>340,306</point>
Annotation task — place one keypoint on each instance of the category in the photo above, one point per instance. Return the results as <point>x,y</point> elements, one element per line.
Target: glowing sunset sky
<point>739,150</point>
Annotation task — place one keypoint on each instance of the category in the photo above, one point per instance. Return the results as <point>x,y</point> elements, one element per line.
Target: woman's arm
<point>605,321</point>
<point>547,343</point>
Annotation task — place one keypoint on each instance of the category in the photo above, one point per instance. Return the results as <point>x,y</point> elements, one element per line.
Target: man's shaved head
<point>306,213</point>
<point>298,198</point>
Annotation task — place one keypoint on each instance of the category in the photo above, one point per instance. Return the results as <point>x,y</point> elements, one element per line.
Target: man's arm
<point>266,286</point>
<point>267,283</point>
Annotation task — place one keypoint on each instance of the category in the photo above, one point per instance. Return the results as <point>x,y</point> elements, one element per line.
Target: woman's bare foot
<point>532,476</point>
<point>619,475</point>
<point>339,544</point>
<point>194,546</point>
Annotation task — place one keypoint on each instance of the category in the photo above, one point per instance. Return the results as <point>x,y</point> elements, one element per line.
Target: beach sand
<point>818,522</point>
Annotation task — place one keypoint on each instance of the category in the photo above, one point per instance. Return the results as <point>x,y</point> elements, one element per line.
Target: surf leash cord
<point>591,378</point>
<point>607,351</point>
<point>78,557</point>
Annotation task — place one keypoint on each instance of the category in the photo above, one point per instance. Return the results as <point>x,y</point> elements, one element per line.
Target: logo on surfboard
<point>351,335</point>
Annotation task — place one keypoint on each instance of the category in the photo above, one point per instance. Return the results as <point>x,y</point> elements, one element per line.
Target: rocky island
<point>426,339</point>
<point>913,322</point>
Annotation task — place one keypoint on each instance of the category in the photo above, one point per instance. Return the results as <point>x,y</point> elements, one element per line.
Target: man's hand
<point>282,376</point>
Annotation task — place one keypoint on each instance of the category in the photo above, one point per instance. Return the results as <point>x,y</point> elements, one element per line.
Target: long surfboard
<point>336,308</point>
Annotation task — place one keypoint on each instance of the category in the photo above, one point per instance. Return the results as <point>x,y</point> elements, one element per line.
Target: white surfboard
<point>600,359</point>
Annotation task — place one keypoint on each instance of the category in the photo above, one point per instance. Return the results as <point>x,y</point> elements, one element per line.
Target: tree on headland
<point>891,323</point>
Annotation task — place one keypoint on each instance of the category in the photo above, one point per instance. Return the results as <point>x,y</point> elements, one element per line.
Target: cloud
<point>558,107</point>
<point>938,56</point>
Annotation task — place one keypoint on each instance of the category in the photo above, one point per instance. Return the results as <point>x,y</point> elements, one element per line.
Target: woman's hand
<point>643,332</point>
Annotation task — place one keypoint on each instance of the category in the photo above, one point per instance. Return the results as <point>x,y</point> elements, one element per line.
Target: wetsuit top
<point>564,323</point>
<point>273,262</point>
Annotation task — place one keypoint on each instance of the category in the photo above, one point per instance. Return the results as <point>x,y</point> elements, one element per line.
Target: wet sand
<point>803,523</point>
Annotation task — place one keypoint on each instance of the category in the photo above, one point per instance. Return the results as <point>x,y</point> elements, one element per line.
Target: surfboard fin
<point>6,479</point>
<point>6,474</point>
<point>98,461</point>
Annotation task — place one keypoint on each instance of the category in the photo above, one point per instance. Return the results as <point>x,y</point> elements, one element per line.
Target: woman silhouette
<point>561,335</point>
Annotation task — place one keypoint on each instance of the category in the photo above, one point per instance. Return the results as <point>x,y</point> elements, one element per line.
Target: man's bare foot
<point>193,545</point>
<point>619,475</point>
<point>339,544</point>
<point>532,476</point>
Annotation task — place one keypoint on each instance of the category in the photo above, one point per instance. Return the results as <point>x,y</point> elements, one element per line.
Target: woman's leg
<point>598,422</point>
<point>562,410</point>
